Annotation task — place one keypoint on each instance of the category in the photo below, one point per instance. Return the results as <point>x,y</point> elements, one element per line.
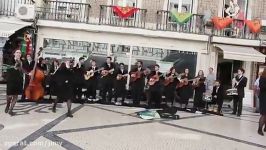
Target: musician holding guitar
<point>199,87</point>
<point>155,86</point>
<point>170,83</point>
<point>137,79</point>
<point>184,89</point>
<point>107,78</point>
<point>120,84</point>
<point>91,81</point>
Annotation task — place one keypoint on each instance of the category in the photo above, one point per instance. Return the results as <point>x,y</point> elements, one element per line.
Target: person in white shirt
<point>256,89</point>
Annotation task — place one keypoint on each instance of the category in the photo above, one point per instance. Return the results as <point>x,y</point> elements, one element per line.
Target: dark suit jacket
<point>28,66</point>
<point>241,86</point>
<point>219,93</point>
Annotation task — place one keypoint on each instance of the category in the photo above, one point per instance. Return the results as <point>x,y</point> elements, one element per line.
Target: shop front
<point>230,59</point>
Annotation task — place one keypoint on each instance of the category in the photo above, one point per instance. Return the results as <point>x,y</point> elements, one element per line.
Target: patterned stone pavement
<point>102,127</point>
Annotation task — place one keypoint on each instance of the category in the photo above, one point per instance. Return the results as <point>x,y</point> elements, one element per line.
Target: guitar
<point>155,79</point>
<point>106,72</point>
<point>120,76</point>
<point>169,80</point>
<point>183,82</point>
<point>137,75</point>
<point>90,73</point>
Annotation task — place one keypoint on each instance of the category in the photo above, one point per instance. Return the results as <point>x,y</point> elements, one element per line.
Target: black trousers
<point>107,87</point>
<point>136,93</point>
<point>238,104</point>
<point>78,92</point>
<point>155,96</point>
<point>91,86</point>
<point>120,91</point>
<point>26,83</point>
<point>169,93</point>
<point>219,102</point>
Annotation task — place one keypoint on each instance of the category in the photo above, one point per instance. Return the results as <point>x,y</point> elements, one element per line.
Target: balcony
<point>109,17</point>
<point>7,7</point>
<point>65,12</point>
<point>166,23</point>
<point>238,29</point>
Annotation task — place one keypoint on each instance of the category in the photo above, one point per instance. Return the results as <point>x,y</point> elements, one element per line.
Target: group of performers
<point>67,80</point>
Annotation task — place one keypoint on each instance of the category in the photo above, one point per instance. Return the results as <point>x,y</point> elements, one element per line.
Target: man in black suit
<point>27,66</point>
<point>79,80</point>
<point>241,83</point>
<point>92,82</point>
<point>120,84</point>
<point>137,86</point>
<point>107,78</point>
<point>218,95</point>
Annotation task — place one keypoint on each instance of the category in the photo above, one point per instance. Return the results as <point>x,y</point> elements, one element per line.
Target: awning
<point>241,53</point>
<point>10,26</point>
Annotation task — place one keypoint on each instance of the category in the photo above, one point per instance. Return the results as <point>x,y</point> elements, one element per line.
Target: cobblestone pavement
<point>107,127</point>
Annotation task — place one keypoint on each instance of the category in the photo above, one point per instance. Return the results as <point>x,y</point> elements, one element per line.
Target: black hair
<point>109,57</point>
<point>81,58</point>
<point>242,70</point>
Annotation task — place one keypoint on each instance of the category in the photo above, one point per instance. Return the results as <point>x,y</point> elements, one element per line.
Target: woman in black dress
<point>199,87</point>
<point>262,98</point>
<point>64,89</point>
<point>170,88</point>
<point>14,83</point>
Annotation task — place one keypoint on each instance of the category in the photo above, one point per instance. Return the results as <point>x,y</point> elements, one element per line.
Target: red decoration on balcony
<point>124,12</point>
<point>221,23</point>
<point>254,25</point>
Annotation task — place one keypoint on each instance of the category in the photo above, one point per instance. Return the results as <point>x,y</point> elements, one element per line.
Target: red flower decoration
<point>221,23</point>
<point>254,25</point>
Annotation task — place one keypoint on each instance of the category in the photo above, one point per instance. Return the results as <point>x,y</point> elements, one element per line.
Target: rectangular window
<point>186,5</point>
<point>236,9</point>
<point>124,3</point>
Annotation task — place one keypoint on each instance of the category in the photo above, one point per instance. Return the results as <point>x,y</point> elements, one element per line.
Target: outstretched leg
<point>69,103</point>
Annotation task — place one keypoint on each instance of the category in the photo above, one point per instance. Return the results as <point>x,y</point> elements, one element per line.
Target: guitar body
<point>153,80</point>
<point>35,90</point>
<point>168,80</point>
<point>135,76</point>
<point>120,77</point>
<point>88,75</point>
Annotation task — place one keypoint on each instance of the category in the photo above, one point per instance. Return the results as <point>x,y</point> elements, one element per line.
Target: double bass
<point>35,90</point>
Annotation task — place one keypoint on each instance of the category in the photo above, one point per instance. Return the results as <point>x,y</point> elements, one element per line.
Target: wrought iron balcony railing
<point>109,17</point>
<point>65,11</point>
<point>167,23</point>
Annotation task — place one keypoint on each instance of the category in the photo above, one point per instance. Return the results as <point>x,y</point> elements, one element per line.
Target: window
<point>130,3</point>
<point>186,5</point>
<point>235,9</point>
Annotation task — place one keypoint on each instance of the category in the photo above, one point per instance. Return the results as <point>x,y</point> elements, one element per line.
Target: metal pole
<point>129,66</point>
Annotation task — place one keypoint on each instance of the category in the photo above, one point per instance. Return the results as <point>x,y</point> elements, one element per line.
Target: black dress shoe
<point>6,110</point>
<point>233,113</point>
<point>260,132</point>
<point>11,113</point>
<point>69,115</point>
<point>7,107</point>
<point>54,110</point>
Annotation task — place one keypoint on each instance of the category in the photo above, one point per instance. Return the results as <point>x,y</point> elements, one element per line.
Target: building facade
<point>75,28</point>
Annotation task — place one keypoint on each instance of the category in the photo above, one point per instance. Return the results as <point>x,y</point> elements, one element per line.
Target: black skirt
<point>14,82</point>
<point>262,105</point>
